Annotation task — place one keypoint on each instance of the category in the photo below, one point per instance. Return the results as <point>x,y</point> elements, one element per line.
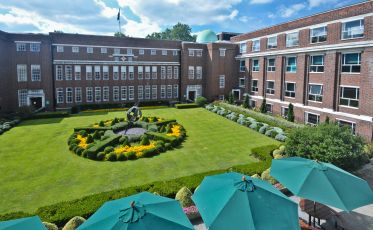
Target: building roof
<point>206,36</point>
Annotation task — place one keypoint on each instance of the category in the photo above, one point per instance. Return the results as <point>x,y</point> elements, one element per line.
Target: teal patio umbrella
<point>142,211</point>
<point>322,182</point>
<point>33,223</point>
<point>234,201</point>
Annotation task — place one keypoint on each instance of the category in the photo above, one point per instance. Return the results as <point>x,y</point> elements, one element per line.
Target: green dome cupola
<point>206,36</point>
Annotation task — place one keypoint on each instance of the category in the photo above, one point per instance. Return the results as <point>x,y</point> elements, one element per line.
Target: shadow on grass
<point>84,114</point>
<point>44,121</point>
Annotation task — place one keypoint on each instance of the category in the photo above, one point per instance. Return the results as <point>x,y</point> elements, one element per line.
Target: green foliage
<point>145,140</point>
<point>180,32</point>
<point>90,139</point>
<point>186,106</point>
<point>83,133</point>
<point>246,102</point>
<point>101,124</point>
<point>121,157</point>
<point>327,120</point>
<point>74,223</point>
<point>201,101</point>
<point>327,143</point>
<point>96,135</point>
<point>108,149</point>
<point>100,156</point>
<point>50,226</point>
<point>119,35</point>
<point>263,107</point>
<point>290,115</point>
<point>265,176</point>
<point>130,155</point>
<point>111,157</point>
<point>230,98</point>
<point>184,196</point>
<point>45,115</point>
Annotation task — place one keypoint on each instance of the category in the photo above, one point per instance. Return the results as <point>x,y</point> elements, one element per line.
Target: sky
<point>142,17</point>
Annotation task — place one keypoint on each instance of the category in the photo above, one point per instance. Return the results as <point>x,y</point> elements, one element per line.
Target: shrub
<point>230,98</point>
<point>280,137</point>
<point>121,157</point>
<point>153,128</point>
<point>108,149</point>
<point>241,121</point>
<point>327,143</point>
<point>90,139</point>
<point>290,115</point>
<point>92,155</point>
<point>96,135</point>
<point>130,155</point>
<point>145,140</point>
<point>265,176</point>
<point>123,140</point>
<point>100,156</point>
<point>256,176</point>
<point>263,107</point>
<point>253,125</point>
<point>201,101</point>
<point>111,157</point>
<point>50,226</point>
<point>83,133</point>
<point>186,106</point>
<point>184,196</point>
<point>74,223</point>
<point>246,102</point>
<point>263,129</point>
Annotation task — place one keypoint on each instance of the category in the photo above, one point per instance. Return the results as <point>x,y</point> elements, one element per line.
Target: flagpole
<point>120,30</point>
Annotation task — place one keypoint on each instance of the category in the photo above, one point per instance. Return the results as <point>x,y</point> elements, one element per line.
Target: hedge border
<point>186,106</point>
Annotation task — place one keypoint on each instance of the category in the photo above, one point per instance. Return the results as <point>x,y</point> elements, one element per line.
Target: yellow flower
<point>138,149</point>
<point>83,141</point>
<point>175,131</point>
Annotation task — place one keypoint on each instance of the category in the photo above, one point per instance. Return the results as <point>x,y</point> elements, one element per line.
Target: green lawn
<point>37,168</point>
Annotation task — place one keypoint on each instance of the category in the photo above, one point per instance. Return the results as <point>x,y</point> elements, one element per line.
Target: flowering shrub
<point>175,131</point>
<point>191,212</point>
<point>82,141</point>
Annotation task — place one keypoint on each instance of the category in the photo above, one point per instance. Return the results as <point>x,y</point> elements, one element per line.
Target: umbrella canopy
<point>322,182</point>
<point>235,201</point>
<point>33,223</point>
<point>142,211</point>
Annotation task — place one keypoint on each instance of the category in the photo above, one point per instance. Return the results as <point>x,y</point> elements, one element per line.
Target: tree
<point>201,101</point>
<point>179,31</point>
<point>263,106</point>
<point>246,102</point>
<point>327,120</point>
<point>230,98</point>
<point>119,35</point>
<point>290,115</point>
<point>327,143</point>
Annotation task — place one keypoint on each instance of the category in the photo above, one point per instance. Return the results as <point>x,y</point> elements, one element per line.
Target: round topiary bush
<point>74,223</point>
<point>111,156</point>
<point>267,177</point>
<point>184,196</point>
<point>50,226</point>
<point>121,157</point>
<point>100,156</point>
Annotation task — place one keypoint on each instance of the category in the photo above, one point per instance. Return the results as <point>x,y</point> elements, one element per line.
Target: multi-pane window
<point>123,73</point>
<point>269,108</point>
<point>176,91</point>
<point>222,52</point>
<point>115,72</point>
<point>78,94</point>
<point>140,72</point>
<point>140,92</point>
<point>311,118</point>
<point>115,93</point>
<point>21,46</point>
<point>174,52</point>
<point>35,73</point>
<point>315,92</point>
<point>351,63</point>
<point>97,94</point>
<point>242,66</point>
<point>176,72</point>
<point>241,83</point>
<point>22,73</point>
<point>169,91</point>
<point>35,47</point>
<point>69,95</point>
<point>222,81</point>
<point>169,72</point>
<point>254,85</point>
<point>154,92</point>
<point>141,52</point>
<point>191,53</point>
<point>97,72</point>
<point>59,49</point>
<point>199,53</point>
<point>153,52</point>
<point>243,47</point>
<point>89,94</point>
<point>255,67</point>
<point>284,112</point>
<point>131,92</point>
<point>75,49</point>
<point>154,72</point>
<point>270,87</point>
<point>106,93</point>
<point>103,50</point>
<point>271,65</point>
<point>147,92</point>
<point>348,124</point>
<point>256,45</point>
<point>131,72</point>
<point>164,52</point>
<point>147,72</point>
<point>77,72</point>
<point>88,72</point>
<point>163,91</point>
<point>291,64</point>
<point>105,72</point>
<point>318,34</point>
<point>292,39</point>
<point>289,89</point>
<point>191,72</point>
<point>349,96</point>
<point>129,51</point>
<point>116,50</point>
<point>89,50</point>
<point>317,64</point>
<point>59,73</point>
<point>68,72</point>
<point>59,95</point>
<point>353,29</point>
<point>272,42</point>
<point>123,93</point>
<point>199,72</point>
<point>163,72</point>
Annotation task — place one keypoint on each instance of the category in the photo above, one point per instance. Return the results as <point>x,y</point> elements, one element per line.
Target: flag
<point>118,17</point>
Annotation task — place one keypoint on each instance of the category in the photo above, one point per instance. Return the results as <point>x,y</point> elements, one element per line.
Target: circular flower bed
<point>112,140</point>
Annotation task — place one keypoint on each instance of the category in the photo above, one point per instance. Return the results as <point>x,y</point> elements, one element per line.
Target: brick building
<point>322,64</point>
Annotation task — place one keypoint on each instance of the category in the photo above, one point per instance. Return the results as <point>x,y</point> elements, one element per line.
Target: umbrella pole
<point>314,213</point>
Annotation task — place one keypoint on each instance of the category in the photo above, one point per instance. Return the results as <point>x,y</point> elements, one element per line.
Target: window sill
<point>289,97</point>
<point>349,107</point>
<point>317,72</point>
<point>315,43</point>
<point>346,73</point>
<point>346,39</point>
<point>319,102</point>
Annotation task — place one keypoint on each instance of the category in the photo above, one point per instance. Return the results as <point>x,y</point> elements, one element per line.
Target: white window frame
<point>254,88</point>
<point>103,50</point>
<point>59,49</point>
<point>291,68</point>
<point>169,72</point>
<point>78,94</point>
<point>289,93</point>
<point>106,93</point>
<point>199,53</point>
<point>34,47</point>
<point>350,66</point>
<point>60,96</point>
<point>141,51</point>
<point>291,41</point>
<point>154,72</point>
<point>89,94</point>
<point>198,72</point>
<point>163,91</point>
<point>75,49</point>
<point>123,93</point>
<point>131,72</point>
<point>154,92</point>
<point>357,96</point>
<point>169,91</point>
<point>242,65</point>
<point>116,93</point>
<point>98,95</point>
<point>255,68</point>
<point>105,72</point>
<point>147,92</point>
<point>176,72</point>
<point>221,81</point>
<point>131,92</point>
<point>97,72</point>
<point>318,38</point>
<point>69,95</point>
<point>176,91</point>
<point>270,91</point>
<point>140,72</point>
<point>163,72</point>
<point>240,82</point>
<point>350,32</point>
<point>317,97</point>
<point>255,45</point>
<point>22,73</point>
<point>272,45</point>
<point>89,50</point>
<point>306,117</point>
<point>174,53</point>
<point>77,72</point>
<point>115,73</point>
<point>140,92</point>
<point>352,124</point>
<point>88,72</point>
<point>153,52</point>
<point>222,52</point>
<point>21,47</point>
<point>35,73</point>
<point>191,72</point>
<point>164,52</point>
<point>123,72</point>
<point>190,53</point>
<point>243,47</point>
<point>271,68</point>
<point>314,68</point>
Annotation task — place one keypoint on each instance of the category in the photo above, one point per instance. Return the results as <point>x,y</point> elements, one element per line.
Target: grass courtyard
<point>37,169</point>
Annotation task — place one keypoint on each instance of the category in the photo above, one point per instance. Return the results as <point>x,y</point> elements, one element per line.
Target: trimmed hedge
<point>160,123</point>
<point>186,106</point>
<point>60,213</point>
<point>100,145</point>
<point>45,115</point>
<point>91,129</point>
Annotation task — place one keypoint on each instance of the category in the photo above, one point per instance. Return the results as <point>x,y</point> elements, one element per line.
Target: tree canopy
<point>119,34</point>
<point>179,31</point>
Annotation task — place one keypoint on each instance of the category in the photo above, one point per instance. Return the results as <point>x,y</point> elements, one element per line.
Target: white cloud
<point>106,11</point>
<point>287,12</point>
<point>316,3</point>
<point>260,1</point>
